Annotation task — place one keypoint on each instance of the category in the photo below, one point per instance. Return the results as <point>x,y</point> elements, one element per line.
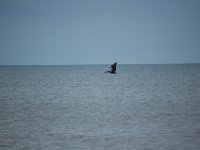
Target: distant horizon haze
<point>97,64</point>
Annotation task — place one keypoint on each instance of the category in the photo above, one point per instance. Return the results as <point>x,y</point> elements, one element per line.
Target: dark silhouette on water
<point>112,68</point>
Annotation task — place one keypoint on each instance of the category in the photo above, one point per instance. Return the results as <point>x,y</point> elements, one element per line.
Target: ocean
<point>72,107</point>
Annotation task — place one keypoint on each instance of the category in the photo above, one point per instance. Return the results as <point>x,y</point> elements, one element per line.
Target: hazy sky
<point>99,31</point>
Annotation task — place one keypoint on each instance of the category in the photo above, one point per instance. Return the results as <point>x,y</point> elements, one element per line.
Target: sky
<point>62,32</point>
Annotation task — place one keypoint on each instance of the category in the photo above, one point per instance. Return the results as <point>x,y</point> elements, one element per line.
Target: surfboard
<point>110,72</point>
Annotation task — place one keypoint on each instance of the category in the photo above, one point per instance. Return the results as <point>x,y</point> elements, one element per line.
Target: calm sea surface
<point>142,107</point>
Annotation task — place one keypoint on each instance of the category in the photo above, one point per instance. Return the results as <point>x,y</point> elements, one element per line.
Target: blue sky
<point>53,32</point>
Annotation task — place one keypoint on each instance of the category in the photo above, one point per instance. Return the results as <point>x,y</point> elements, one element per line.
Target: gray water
<point>142,107</point>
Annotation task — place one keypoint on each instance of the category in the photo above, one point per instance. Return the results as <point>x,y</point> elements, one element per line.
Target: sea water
<point>142,107</point>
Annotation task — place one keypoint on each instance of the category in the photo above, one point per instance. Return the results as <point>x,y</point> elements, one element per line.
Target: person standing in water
<point>112,68</point>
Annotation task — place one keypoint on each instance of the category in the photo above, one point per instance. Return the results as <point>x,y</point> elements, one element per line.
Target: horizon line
<point>96,64</point>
